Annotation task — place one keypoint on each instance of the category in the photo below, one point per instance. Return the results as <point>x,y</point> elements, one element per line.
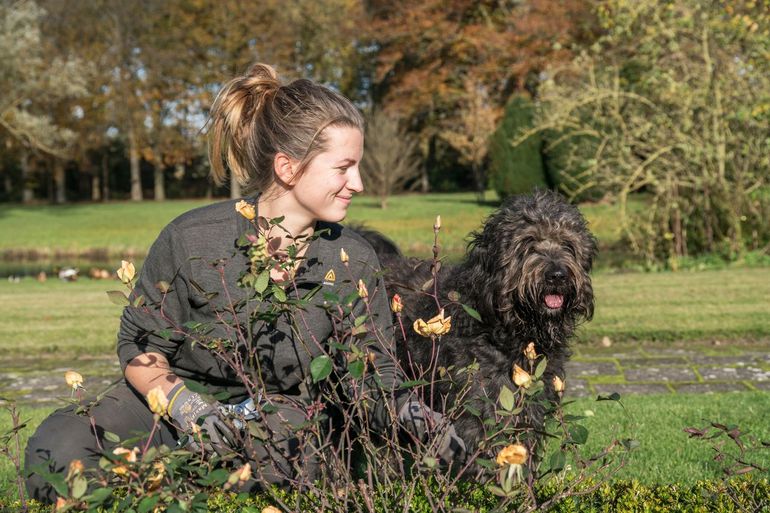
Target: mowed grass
<point>127,228</point>
<point>665,453</point>
<point>77,318</point>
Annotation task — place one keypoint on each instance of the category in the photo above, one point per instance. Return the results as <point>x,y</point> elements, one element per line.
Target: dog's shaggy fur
<point>526,272</point>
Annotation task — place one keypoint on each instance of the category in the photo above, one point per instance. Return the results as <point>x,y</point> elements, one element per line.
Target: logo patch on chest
<point>330,278</point>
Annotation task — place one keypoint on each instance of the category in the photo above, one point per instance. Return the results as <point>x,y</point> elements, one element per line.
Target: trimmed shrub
<point>519,169</point>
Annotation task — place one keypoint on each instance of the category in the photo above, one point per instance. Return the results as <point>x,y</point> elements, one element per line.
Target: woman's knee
<point>62,437</point>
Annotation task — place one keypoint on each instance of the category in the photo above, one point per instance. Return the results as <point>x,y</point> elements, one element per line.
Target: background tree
<point>471,132</point>
<point>674,101</point>
<point>33,81</point>
<point>426,50</point>
<point>389,163</point>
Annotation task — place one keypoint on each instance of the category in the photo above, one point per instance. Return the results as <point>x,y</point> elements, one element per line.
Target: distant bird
<point>68,274</point>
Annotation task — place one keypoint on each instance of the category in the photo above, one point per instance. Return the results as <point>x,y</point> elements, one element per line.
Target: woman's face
<point>325,188</point>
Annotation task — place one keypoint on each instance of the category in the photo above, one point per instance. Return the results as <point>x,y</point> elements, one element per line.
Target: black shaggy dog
<point>526,272</point>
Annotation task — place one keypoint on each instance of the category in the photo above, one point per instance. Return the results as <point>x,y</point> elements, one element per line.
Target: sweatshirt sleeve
<point>156,325</point>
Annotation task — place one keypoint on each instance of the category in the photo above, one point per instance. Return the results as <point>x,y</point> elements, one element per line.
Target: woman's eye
<point>342,169</point>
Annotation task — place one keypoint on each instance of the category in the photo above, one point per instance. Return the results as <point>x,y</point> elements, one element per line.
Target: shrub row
<point>735,495</point>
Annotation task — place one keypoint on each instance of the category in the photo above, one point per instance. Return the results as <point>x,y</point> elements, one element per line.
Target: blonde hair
<point>254,117</point>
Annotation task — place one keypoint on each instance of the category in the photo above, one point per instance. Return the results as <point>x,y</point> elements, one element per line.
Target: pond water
<point>10,269</point>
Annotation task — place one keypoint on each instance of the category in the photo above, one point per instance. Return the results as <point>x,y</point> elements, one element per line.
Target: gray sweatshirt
<point>198,256</point>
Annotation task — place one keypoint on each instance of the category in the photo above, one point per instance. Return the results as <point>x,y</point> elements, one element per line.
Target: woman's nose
<point>355,183</point>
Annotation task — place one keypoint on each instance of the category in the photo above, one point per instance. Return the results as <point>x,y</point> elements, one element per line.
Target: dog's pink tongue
<point>554,300</point>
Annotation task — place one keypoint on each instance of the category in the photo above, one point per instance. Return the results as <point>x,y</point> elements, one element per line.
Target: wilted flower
<point>558,385</point>
<point>344,256</point>
<point>159,470</point>
<point>246,209</point>
<point>126,272</point>
<point>521,377</point>
<point>395,304</point>
<point>61,503</point>
<point>75,468</point>
<point>437,325</point>
<point>129,456</point>
<point>73,379</point>
<point>514,454</point>
<point>240,475</point>
<point>270,509</point>
<point>157,401</point>
<point>362,291</point>
<point>530,353</point>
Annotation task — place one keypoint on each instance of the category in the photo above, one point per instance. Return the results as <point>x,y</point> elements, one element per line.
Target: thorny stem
<point>16,457</point>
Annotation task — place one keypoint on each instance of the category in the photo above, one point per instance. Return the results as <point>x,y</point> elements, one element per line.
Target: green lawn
<point>75,318</point>
<point>123,228</point>
<point>665,454</point>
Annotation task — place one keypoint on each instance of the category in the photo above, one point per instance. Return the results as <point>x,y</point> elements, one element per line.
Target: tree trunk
<point>96,186</point>
<point>27,194</point>
<point>7,184</point>
<point>235,188</point>
<point>136,173</point>
<point>59,180</point>
<point>160,186</point>
<point>105,177</point>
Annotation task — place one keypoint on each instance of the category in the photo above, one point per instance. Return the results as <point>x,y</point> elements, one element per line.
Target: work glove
<point>200,420</point>
<point>420,421</point>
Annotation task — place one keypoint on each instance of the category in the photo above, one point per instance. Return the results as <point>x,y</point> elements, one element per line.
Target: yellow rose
<point>514,454</point>
<point>530,353</point>
<point>246,209</point>
<point>157,401</point>
<point>362,291</point>
<point>558,385</point>
<point>344,256</point>
<point>437,325</point>
<point>395,304</point>
<point>521,377</point>
<point>126,272</point>
<point>437,224</point>
<point>270,509</point>
<point>129,456</point>
<point>76,467</point>
<point>73,379</point>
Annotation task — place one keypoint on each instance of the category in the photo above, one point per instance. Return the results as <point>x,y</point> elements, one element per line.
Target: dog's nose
<point>556,274</point>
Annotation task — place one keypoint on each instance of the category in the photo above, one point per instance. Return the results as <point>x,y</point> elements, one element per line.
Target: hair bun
<point>260,82</point>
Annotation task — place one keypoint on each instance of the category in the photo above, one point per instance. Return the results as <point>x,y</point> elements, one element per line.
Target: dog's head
<point>536,254</point>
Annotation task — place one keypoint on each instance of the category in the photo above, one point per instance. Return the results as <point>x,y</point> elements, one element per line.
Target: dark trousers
<point>65,436</point>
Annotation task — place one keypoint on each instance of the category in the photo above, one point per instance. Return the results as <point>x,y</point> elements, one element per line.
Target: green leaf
<point>165,334</point>
<point>279,293</point>
<point>578,434</point>
<point>630,444</point>
<point>111,437</point>
<point>360,320</point>
<point>277,220</point>
<point>359,330</point>
<point>497,491</point>
<point>558,461</point>
<point>488,464</point>
<point>138,301</point>
<point>79,486</point>
<point>356,369</point>
<point>260,285</point>
<point>412,383</point>
<point>147,504</point>
<point>614,396</point>
<point>98,496</point>
<point>506,398</point>
<point>222,396</point>
<point>540,369</point>
<point>194,386</point>
<point>320,368</point>
<point>118,297</point>
<point>473,313</point>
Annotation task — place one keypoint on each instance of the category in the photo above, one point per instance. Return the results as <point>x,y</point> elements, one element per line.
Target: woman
<point>298,148</point>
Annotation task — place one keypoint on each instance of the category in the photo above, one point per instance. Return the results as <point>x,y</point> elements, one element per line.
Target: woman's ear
<point>285,168</point>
